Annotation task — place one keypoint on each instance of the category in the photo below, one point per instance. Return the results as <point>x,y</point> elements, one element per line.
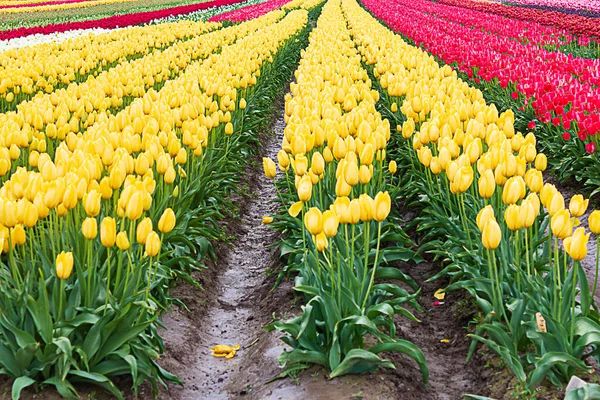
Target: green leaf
<point>358,361</point>
<point>408,348</point>
<point>99,380</point>
<point>548,361</point>
<point>19,384</point>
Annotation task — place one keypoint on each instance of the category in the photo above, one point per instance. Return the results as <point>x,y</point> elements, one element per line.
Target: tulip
<point>514,190</point>
<point>354,211</point>
<point>534,180</point>
<point>463,179</point>
<point>511,217</point>
<point>108,231</point>
<point>393,167</point>
<point>541,162</point>
<point>556,204</point>
<point>229,128</point>
<point>382,206</point>
<point>167,221</point>
<point>594,222</point>
<point>367,155</point>
<point>330,223</point>
<point>313,220</point>
<point>89,228</point>
<point>487,184</point>
<point>491,235</point>
<point>64,265</point>
<point>341,206</point>
<point>283,159</point>
<point>561,224</point>
<point>30,215</point>
<point>576,245</point>
<point>364,174</point>
<point>305,189</point>
<point>546,193</point>
<point>578,206</point>
<point>269,167</point>
<point>135,206</point>
<point>170,175</point>
<point>317,164</point>
<point>122,241</point>
<point>92,203</point>
<point>17,235</point>
<point>300,165</point>
<point>152,244</point>
<point>527,214</point>
<point>484,215</point>
<point>321,242</point>
<point>143,230</point>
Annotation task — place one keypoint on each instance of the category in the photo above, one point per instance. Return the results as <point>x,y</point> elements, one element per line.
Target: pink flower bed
<point>115,21</point>
<point>592,5</point>
<point>576,24</point>
<point>562,89</point>
<point>249,12</point>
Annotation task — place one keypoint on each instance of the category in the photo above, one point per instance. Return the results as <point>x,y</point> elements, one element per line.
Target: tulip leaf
<point>19,384</point>
<point>408,348</point>
<point>358,361</point>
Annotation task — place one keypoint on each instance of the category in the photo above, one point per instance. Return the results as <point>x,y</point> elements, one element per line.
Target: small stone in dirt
<point>575,383</point>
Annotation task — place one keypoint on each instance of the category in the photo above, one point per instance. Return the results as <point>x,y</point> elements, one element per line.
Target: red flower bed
<point>116,21</point>
<point>249,12</point>
<point>572,22</point>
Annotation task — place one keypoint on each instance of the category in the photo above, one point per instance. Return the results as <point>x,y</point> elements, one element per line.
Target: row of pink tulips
<point>561,88</point>
<point>591,5</point>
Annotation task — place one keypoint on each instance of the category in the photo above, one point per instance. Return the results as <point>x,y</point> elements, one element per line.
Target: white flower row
<point>58,37</point>
<point>203,15</point>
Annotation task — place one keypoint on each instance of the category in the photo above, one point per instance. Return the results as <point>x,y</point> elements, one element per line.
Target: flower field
<point>299,199</point>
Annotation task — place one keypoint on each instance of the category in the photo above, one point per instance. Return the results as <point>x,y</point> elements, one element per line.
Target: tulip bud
<point>269,167</point>
<point>351,173</point>
<point>166,223</point>
<point>354,211</point>
<point>382,206</point>
<point>152,244</point>
<point>491,235</point>
<point>484,215</point>
<point>321,242</point>
<point>229,128</point>
<point>364,174</point>
<point>304,189</point>
<point>511,217</point>
<point>64,265</point>
<point>578,206</point>
<point>487,184</point>
<point>594,222</point>
<point>143,230</point>
<point>108,231</point>
<point>393,167</point>
<point>541,162</point>
<point>170,175</point>
<point>313,220</point>
<point>284,160</point>
<point>89,228</point>
<point>122,241</point>
<point>561,224</point>
<point>576,245</point>
<point>330,223</point>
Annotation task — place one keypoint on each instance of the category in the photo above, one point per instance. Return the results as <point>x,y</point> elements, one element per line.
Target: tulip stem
<point>149,278</point>
<point>367,249</point>
<point>518,260</point>
<point>557,283</point>
<point>89,271</point>
<point>492,279</point>
<point>374,267</point>
<point>527,254</point>
<point>352,254</point>
<point>597,259</point>
<point>108,280</point>
<point>574,295</point>
<point>61,299</point>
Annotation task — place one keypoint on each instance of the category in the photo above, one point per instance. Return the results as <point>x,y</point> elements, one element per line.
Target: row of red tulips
<point>561,88</point>
<point>574,23</point>
<point>250,12</point>
<point>116,20</point>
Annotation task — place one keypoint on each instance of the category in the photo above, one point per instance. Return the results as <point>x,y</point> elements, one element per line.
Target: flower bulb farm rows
<point>89,232</point>
<point>484,188</point>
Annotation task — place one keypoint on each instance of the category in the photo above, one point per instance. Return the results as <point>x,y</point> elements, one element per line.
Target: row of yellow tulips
<point>40,68</point>
<point>335,171</point>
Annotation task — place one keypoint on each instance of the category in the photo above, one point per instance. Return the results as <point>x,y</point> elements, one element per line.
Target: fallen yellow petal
<point>445,341</point>
<point>439,294</point>
<point>295,209</point>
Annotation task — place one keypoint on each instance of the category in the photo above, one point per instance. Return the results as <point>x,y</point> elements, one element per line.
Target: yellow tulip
<point>463,179</point>
<point>367,154</point>
<point>382,206</point>
<point>229,128</point>
<point>321,242</point>
<point>108,231</point>
<point>484,215</point>
<point>511,217</point>
<point>143,230</point>
<point>341,206</point>
<point>305,188</point>
<point>152,244</point>
<point>578,206</point>
<point>295,209</point>
<point>92,203</point>
<point>284,160</point>
<point>546,193</point>
<point>491,235</point>
<point>269,167</point>
<point>527,213</point>
<point>393,167</point>
<point>313,220</point>
<point>364,174</point>
<point>167,221</point>
<point>576,245</point>
<point>64,265</point>
<point>557,203</point>
<point>561,224</point>
<point>487,184</point>
<point>354,211</point>
<point>31,215</point>
<point>594,222</point>
<point>17,235</point>
<point>300,165</point>
<point>170,175</point>
<point>541,162</point>
<point>135,206</point>
<point>122,241</point>
<point>351,173</point>
<point>89,228</point>
<point>330,223</point>
<point>534,180</point>
<point>513,190</point>
<point>317,164</point>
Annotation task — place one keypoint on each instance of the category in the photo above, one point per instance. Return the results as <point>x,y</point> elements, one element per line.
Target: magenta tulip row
<point>250,12</point>
<point>561,88</point>
<point>116,20</point>
<point>592,5</point>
